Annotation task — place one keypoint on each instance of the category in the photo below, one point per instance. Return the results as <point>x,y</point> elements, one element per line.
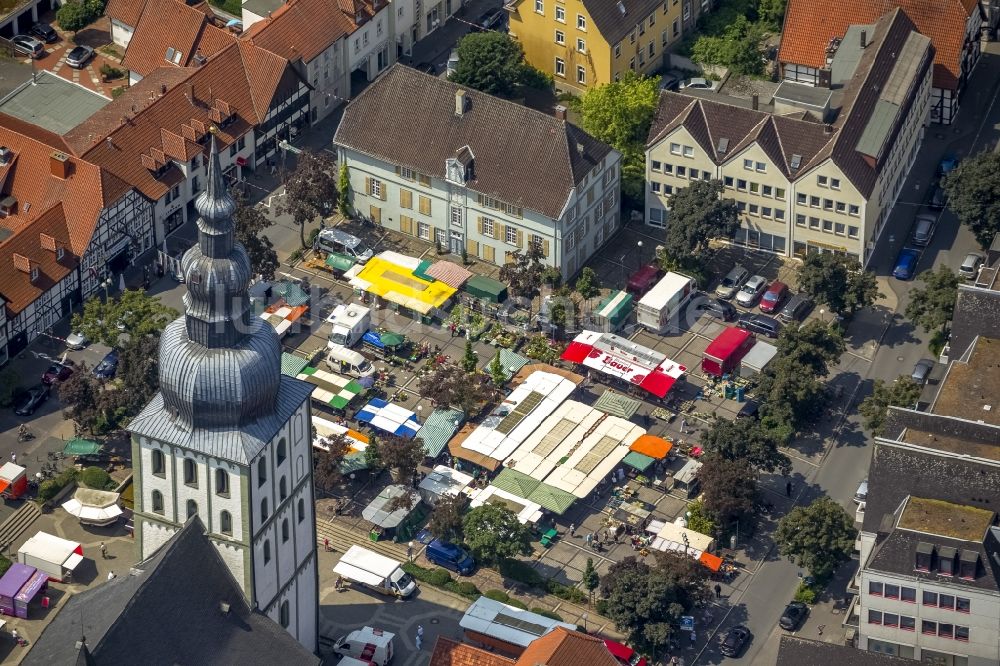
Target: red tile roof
<point>811,24</point>
<point>452,653</point>
<point>125,11</point>
<point>175,28</point>
<point>562,647</point>
<point>16,287</point>
<point>301,29</point>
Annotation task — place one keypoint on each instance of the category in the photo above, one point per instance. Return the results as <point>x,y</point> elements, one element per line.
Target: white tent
<point>553,440</point>
<point>93,507</point>
<point>757,359</point>
<point>529,512</point>
<point>443,482</point>
<point>594,456</point>
<point>507,623</point>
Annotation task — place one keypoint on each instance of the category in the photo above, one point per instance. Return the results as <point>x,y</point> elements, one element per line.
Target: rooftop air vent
<point>796,161</point>
<point>4,155</point>
<point>723,146</point>
<point>621,8</point>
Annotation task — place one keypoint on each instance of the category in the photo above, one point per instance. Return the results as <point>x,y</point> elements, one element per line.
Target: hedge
<point>523,573</point>
<point>439,577</point>
<point>504,598</point>
<point>544,612</point>
<point>51,487</point>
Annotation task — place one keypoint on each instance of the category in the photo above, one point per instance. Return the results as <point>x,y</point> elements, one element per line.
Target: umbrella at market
<point>389,418</point>
<point>366,382</point>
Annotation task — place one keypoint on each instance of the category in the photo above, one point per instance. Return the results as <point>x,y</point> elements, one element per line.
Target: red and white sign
<point>616,356</point>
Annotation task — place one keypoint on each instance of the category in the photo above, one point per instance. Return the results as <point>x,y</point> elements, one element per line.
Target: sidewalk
<point>435,48</point>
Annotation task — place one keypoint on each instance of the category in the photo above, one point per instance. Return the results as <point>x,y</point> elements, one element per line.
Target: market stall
<point>284,318</point>
<point>94,507</point>
<point>439,427</point>
<point>528,512</point>
<point>595,456</point>
<point>625,360</point>
<point>553,440</point>
<point>482,287</point>
<point>332,390</point>
<point>13,481</point>
<point>614,310</point>
<point>724,353</point>
<point>385,514</point>
<point>674,537</point>
<point>357,442</point>
<point>448,272</point>
<point>19,587</point>
<point>757,359</point>
<point>443,481</point>
<point>389,418</point>
<point>56,556</point>
<point>686,481</point>
<point>392,277</point>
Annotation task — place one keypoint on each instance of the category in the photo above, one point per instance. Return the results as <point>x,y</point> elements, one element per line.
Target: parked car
<point>493,20</point>
<point>670,82</point>
<point>772,299</point>
<point>861,494</point>
<point>922,370</point>
<point>79,56</point>
<point>451,65</point>
<point>30,400</point>
<point>793,615</point>
<point>625,655</point>
<point>734,641</point>
<point>762,324</point>
<point>939,198</point>
<point>44,32</point>
<point>698,83</point>
<point>970,265</point>
<point>906,264</point>
<point>27,45</point>
<point>732,282</point>
<point>57,372</point>
<point>449,556</point>
<point>749,410</point>
<point>108,366</point>
<point>947,164</point>
<point>718,308</point>
<point>750,292</point>
<point>643,279</point>
<point>923,229</point>
<point>77,341</point>
<point>795,309</point>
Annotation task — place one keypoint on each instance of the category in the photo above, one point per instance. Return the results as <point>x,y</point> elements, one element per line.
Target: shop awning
<point>339,262</point>
<point>291,364</point>
<point>389,418</point>
<point>711,562</point>
<point>510,361</point>
<point>615,306</point>
<point>331,389</point>
<point>4,485</point>
<point>626,360</point>
<point>552,499</point>
<point>379,513</point>
<point>516,483</point>
<point>92,514</point>
<point>616,404</point>
<point>81,447</point>
<point>652,446</point>
<point>399,283</point>
<point>439,427</point>
<point>638,461</point>
<point>486,288</point>
<point>291,293</point>
<point>451,274</point>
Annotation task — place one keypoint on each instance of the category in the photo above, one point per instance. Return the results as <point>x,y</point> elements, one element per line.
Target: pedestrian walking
<point>693,637</point>
<point>718,591</point>
<point>684,426</point>
<point>788,489</point>
<point>111,575</point>
<point>420,636</point>
<point>572,529</point>
<point>13,457</point>
<point>104,551</point>
<point>409,551</point>
<point>589,539</point>
<point>621,475</point>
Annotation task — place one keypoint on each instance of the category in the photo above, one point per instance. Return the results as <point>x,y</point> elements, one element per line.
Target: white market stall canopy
<point>619,357</point>
<point>757,358</point>
<point>527,511</point>
<point>389,417</point>
<point>507,623</point>
<point>595,456</point>
<point>93,507</point>
<point>326,430</point>
<point>443,481</point>
<point>519,415</point>
<point>553,440</point>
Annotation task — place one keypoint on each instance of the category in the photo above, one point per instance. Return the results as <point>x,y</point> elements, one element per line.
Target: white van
<point>341,242</point>
<point>658,309</point>
<point>378,572</point>
<point>366,644</point>
<point>349,362</point>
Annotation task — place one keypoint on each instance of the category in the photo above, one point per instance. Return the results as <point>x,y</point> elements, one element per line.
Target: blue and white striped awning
<point>389,418</point>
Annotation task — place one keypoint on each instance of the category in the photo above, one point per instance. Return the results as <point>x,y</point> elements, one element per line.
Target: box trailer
<point>13,481</point>
<point>55,556</point>
<point>724,353</point>
<point>380,573</point>
<point>658,309</point>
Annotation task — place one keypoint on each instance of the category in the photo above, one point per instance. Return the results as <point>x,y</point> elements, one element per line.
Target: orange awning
<point>711,562</point>
<point>4,485</point>
<point>652,446</point>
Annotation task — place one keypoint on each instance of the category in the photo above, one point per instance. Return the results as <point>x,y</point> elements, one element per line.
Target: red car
<point>624,654</point>
<point>643,279</point>
<point>774,296</point>
<point>57,372</point>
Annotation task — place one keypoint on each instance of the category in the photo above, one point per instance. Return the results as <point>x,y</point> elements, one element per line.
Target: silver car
<point>750,293</point>
<point>732,282</point>
<point>923,230</point>
<point>922,370</point>
<point>79,56</point>
<point>970,265</point>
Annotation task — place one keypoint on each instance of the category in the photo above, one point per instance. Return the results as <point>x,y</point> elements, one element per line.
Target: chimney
<point>828,129</point>
<point>864,39</point>
<point>579,148</point>
<point>460,103</point>
<point>560,112</point>
<point>4,155</point>
<point>755,101</point>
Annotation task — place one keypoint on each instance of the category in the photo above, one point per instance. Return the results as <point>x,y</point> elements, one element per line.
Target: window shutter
<point>545,248</point>
<point>383,191</point>
<point>472,248</point>
<point>480,225</point>
<point>432,234</point>
<point>368,185</point>
<point>501,231</point>
<point>425,206</point>
<point>398,172</point>
<point>424,180</point>
<point>406,224</point>
<point>520,239</point>
<point>405,198</point>
<point>489,254</point>
<point>480,198</point>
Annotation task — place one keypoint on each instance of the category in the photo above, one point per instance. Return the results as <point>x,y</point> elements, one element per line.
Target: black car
<point>734,641</point>
<point>796,309</point>
<point>493,20</point>
<point>794,613</point>
<point>31,400</point>
<point>108,366</point>
<point>44,32</point>
<point>761,324</point>
<point>718,308</point>
<point>749,410</point>
<point>939,198</point>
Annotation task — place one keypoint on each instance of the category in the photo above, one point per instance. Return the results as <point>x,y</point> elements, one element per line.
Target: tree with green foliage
<point>327,461</point>
<point>470,361</point>
<point>699,520</point>
<point>814,346</point>
<point>344,191</point>
<point>838,281</point>
<point>739,48</point>
<point>80,394</point>
<point>73,16</point>
<point>620,114</point>
<point>931,306</point>
<point>9,382</point>
<point>974,195</point>
<point>133,313</point>
<point>772,12</point>
<point>646,602</point>
<point>819,537</point>
<point>250,224</point>
<point>137,379</point>
<point>746,440</point>
<point>310,190</point>
<point>591,579</point>
<point>496,370</point>
<point>446,518</point>
<point>558,315</point>
<point>450,384</point>
<point>588,285</point>
<point>522,271</point>
<point>494,533</point>
<point>96,478</point>
<point>902,392</point>
<point>697,215</point>
<point>728,487</point>
<point>491,62</point>
<point>401,456</point>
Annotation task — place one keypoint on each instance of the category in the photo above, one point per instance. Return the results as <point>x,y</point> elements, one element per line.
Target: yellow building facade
<point>587,43</point>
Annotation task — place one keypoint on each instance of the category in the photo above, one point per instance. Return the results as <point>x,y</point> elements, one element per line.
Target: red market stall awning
<point>711,562</point>
<point>624,359</point>
<point>727,342</point>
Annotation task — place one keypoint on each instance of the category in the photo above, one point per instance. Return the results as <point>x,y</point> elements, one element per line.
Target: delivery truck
<point>659,309</point>
<point>350,323</point>
<point>724,353</point>
<point>365,645</point>
<point>382,574</point>
<point>55,556</point>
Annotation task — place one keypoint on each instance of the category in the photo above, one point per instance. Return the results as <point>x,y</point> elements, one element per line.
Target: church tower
<point>228,437</point>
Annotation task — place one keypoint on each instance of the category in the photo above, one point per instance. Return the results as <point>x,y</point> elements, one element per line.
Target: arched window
<point>221,482</point>
<point>282,450</point>
<point>262,472</point>
<point>302,509</point>
<point>159,463</point>
<point>157,501</point>
<point>284,530</point>
<point>267,551</point>
<point>263,510</point>
<point>283,489</point>
<point>226,523</point>
<point>300,466</point>
<point>284,615</point>
<point>192,508</point>
<point>190,472</point>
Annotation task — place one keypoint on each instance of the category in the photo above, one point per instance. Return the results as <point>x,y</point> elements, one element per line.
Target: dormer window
<point>946,561</point>
<point>34,273</point>
<point>967,564</point>
<point>924,555</point>
<point>60,253</point>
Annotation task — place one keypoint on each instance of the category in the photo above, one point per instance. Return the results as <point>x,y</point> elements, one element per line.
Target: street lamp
<point>639,254</point>
<point>106,283</point>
